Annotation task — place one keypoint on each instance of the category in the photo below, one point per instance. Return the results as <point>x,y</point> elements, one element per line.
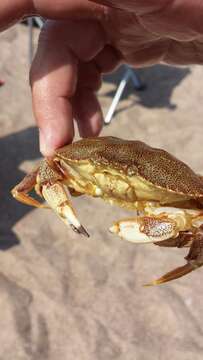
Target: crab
<point>165,194</point>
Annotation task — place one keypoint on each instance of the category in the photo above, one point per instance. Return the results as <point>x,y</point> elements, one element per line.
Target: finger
<point>68,9</point>
<point>54,78</point>
<point>71,33</point>
<point>13,11</point>
<point>89,73</point>
<point>184,53</point>
<point>168,51</point>
<point>148,54</point>
<point>139,6</point>
<point>177,19</point>
<point>89,76</point>
<point>53,81</point>
<point>108,59</point>
<point>87,112</point>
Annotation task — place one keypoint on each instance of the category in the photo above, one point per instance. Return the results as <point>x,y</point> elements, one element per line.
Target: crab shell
<point>130,170</point>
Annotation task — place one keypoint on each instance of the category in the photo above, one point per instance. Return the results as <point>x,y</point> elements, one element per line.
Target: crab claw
<point>145,229</point>
<point>56,196</point>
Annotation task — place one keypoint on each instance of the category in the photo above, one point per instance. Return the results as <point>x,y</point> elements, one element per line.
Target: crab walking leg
<point>56,196</point>
<point>194,261</point>
<point>174,274</point>
<point>20,191</point>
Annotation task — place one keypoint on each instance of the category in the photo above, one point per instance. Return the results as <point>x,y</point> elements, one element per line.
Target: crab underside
<point>163,217</point>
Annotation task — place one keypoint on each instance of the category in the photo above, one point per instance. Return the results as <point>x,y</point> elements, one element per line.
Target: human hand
<point>68,66</point>
<point>72,54</point>
<point>65,74</point>
<point>151,31</point>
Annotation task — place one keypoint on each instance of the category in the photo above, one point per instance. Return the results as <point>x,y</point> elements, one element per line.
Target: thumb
<point>13,11</point>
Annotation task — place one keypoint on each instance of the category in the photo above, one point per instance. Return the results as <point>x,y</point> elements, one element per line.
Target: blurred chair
<point>37,21</point>
<point>129,74</point>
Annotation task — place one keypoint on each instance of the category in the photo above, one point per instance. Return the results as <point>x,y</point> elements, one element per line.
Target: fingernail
<point>46,147</point>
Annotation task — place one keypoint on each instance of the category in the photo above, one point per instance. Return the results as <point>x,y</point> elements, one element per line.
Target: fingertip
<point>50,140</point>
<point>46,148</point>
<point>55,124</point>
<point>53,83</point>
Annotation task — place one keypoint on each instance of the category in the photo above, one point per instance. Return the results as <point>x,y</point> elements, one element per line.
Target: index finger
<point>54,77</point>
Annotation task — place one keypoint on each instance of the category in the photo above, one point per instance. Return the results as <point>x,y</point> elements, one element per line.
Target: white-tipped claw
<point>68,214</point>
<point>56,196</point>
<point>130,231</point>
<point>145,229</point>
<point>80,230</point>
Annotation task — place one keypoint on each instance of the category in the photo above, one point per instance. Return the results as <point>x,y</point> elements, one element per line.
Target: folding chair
<point>128,75</point>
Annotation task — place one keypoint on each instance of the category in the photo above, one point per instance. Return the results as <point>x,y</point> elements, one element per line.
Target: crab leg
<point>194,261</point>
<point>174,274</point>
<point>20,191</point>
<point>56,196</point>
<point>178,228</point>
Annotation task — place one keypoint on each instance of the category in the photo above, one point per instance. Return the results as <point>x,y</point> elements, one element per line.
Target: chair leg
<point>129,74</point>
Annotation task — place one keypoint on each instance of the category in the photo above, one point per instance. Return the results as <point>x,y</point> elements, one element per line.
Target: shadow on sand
<point>14,149</point>
<point>159,83</point>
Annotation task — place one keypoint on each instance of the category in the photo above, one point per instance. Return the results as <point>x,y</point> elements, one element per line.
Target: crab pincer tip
<point>113,229</point>
<point>83,231</point>
<point>80,230</point>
